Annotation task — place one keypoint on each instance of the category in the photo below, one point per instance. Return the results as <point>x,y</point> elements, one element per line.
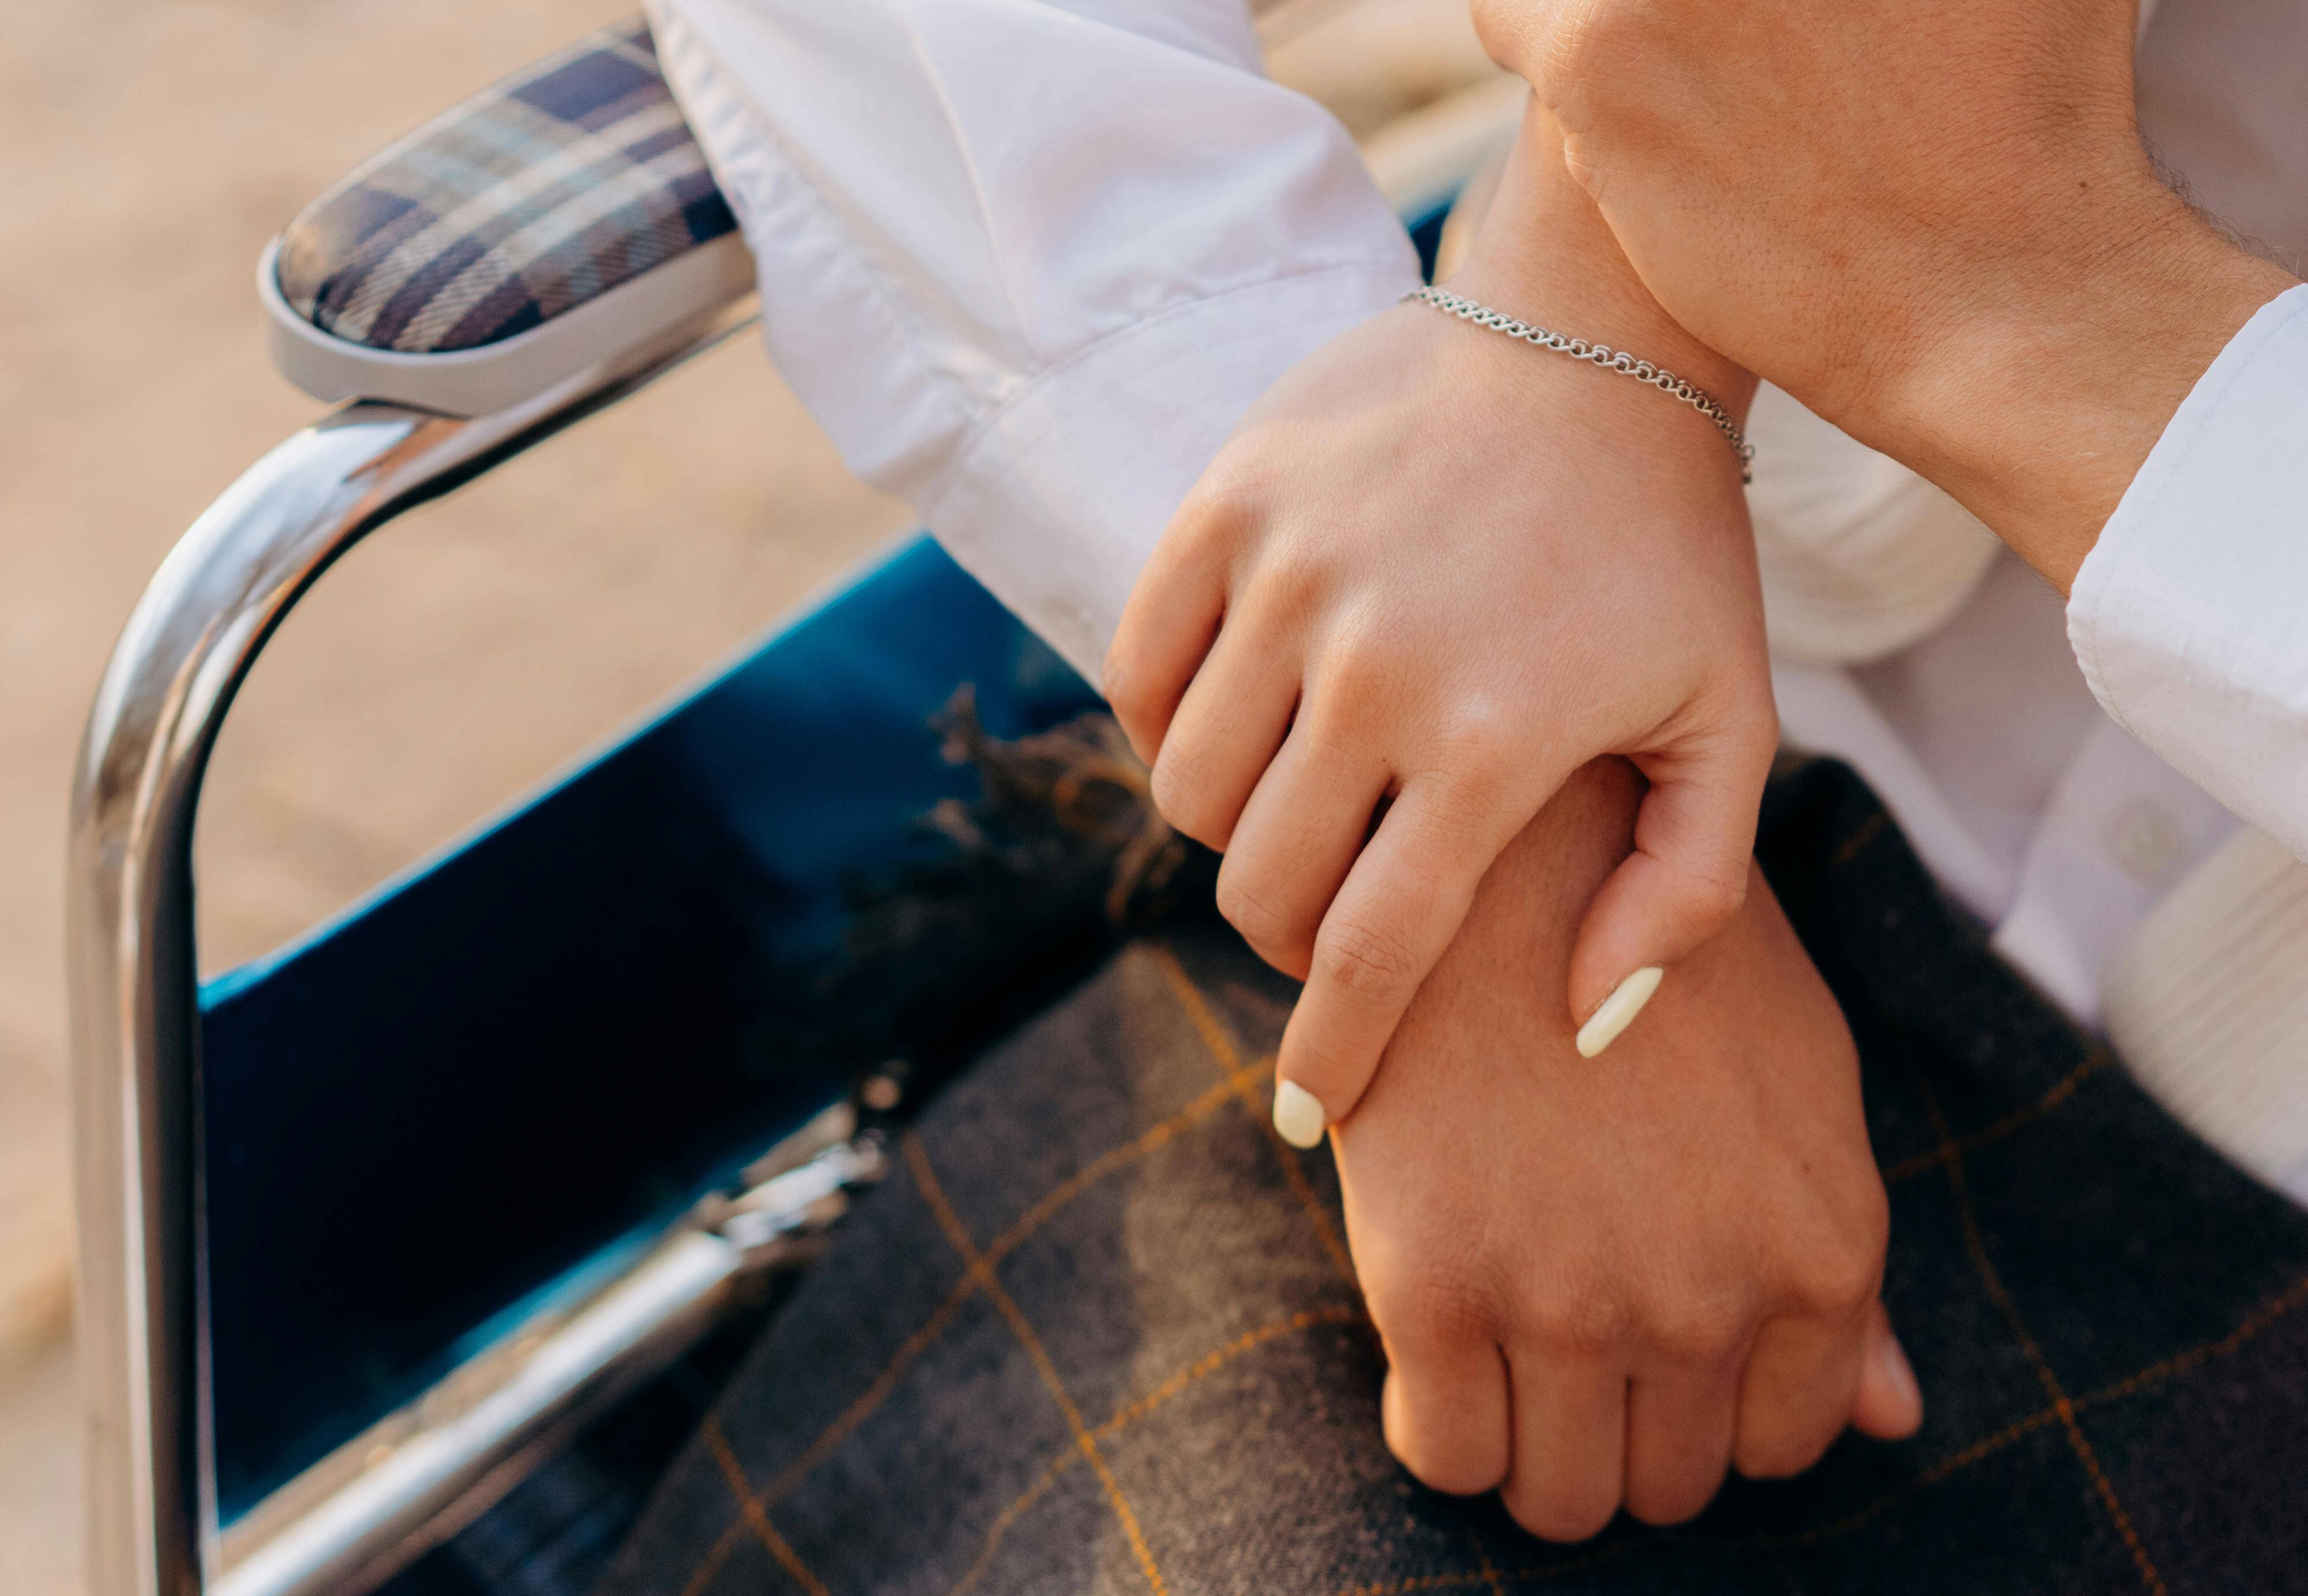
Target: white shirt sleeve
<point>1029,260</point>
<point>2190,616</point>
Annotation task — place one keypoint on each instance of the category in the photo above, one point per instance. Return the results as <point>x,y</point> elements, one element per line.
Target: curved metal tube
<point>208,612</point>
<point>354,1519</point>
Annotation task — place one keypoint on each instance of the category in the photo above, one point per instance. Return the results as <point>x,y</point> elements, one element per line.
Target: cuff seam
<point>2096,594</point>
<point>987,424</point>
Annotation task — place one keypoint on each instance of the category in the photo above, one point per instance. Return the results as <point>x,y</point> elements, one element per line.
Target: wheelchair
<point>370,1227</point>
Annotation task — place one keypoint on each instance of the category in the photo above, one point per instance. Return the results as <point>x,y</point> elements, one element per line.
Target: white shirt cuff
<point>2190,616</point>
<point>1029,263</point>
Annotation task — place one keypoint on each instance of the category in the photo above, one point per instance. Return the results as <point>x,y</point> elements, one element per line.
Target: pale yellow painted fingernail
<point>1298,1115</point>
<point>1619,1010</point>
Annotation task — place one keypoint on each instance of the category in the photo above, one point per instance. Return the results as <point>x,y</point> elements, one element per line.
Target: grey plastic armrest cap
<point>562,220</point>
<point>626,326</point>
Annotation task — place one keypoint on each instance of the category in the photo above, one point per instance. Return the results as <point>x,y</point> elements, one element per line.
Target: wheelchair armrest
<point>186,648</point>
<point>560,221</point>
<point>530,258</point>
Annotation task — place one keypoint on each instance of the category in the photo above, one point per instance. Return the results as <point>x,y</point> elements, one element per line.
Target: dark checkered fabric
<point>1099,1334</point>
<point>548,190</point>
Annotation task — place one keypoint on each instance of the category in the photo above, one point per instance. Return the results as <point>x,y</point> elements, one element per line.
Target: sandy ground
<point>147,151</point>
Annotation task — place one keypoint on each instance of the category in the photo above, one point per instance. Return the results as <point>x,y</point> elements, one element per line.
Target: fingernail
<point>1298,1115</point>
<point>1618,1010</point>
<point>1893,1359</point>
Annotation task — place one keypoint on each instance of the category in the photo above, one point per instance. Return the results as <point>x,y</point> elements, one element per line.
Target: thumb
<point>1888,1404</point>
<point>1686,880</point>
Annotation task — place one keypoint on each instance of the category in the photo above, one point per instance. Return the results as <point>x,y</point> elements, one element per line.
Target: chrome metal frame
<point>350,1521</point>
<point>207,614</point>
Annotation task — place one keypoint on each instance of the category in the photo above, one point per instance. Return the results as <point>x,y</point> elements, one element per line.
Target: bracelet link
<point>1597,354</point>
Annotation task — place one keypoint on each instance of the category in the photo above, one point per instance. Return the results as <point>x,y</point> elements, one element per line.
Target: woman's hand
<point>1434,572</point>
<point>1601,1287</point>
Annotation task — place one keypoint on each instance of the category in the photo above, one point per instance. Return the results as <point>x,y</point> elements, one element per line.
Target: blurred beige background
<point>148,148</point>
<point>147,151</point>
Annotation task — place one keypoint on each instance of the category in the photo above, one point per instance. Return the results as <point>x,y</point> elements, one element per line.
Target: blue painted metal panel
<point>560,1032</point>
<point>458,1095</point>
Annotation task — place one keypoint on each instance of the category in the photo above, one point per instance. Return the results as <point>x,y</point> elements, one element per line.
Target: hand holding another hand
<point>1601,1285</point>
<point>1435,572</point>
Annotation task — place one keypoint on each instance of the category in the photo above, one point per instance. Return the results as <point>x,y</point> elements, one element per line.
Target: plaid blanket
<point>1100,1332</point>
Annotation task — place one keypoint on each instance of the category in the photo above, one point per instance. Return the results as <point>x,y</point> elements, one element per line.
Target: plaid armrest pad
<point>540,194</point>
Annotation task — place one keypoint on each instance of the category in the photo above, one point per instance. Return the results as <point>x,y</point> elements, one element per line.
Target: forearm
<point>1938,229</point>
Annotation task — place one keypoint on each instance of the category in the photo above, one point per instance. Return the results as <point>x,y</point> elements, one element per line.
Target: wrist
<point>1544,254</point>
<point>2034,394</point>
<point>1564,302</point>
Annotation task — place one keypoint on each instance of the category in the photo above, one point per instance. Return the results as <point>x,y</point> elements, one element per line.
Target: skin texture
<point>1432,574</point>
<point>1603,1283</point>
<point>1936,226</point>
<point>1369,712</point>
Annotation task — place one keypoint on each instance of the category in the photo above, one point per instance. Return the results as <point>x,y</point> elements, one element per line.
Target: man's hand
<point>1600,1282</point>
<point>1934,225</point>
<point>1433,573</point>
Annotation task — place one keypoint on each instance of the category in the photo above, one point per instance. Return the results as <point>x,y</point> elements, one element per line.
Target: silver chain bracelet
<point>1595,354</point>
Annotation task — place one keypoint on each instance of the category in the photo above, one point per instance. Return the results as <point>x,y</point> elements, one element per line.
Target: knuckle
<point>1447,1306</point>
<point>1701,1331</point>
<point>1741,703</point>
<point>1441,1462</point>
<point>1841,1274</point>
<point>1327,1072</point>
<point>1439,1445</point>
<point>1226,504</point>
<point>1838,1281</point>
<point>1582,1324</point>
<point>1580,55</point>
<point>1869,1215</point>
<point>1181,793</point>
<point>1478,742</point>
<point>1367,959</point>
<point>1505,30</point>
<point>1276,929</point>
<point>1428,1297</point>
<point>1360,670</point>
<point>1291,583</point>
<point>1714,897</point>
<point>1122,679</point>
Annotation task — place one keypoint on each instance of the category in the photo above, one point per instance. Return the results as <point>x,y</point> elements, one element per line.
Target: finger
<point>1294,843</point>
<point>1890,1403</point>
<point>1569,1460</point>
<point>1445,1411</point>
<point>1687,878</point>
<point>1402,903</point>
<point>1679,1433</point>
<point>1167,626</point>
<point>1796,1393</point>
<point>1226,731</point>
